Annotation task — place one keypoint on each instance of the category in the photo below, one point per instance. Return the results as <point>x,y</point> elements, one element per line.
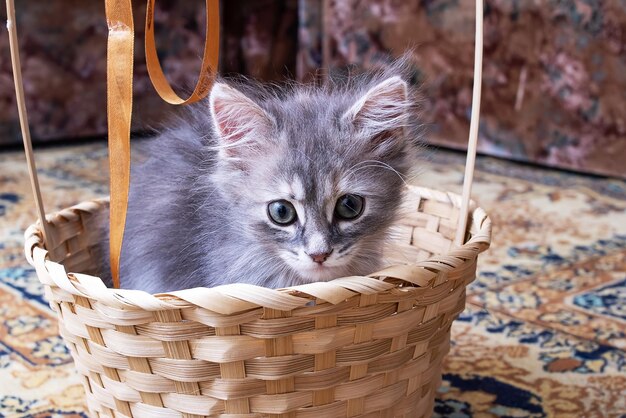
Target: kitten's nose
<point>320,257</point>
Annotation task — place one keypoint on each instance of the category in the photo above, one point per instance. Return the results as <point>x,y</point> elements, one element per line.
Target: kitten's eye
<point>349,206</point>
<point>281,212</point>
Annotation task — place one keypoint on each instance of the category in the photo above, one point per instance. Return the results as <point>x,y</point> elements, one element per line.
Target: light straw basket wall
<point>353,347</point>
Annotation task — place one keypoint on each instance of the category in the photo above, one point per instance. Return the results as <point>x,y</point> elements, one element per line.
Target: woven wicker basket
<point>353,347</point>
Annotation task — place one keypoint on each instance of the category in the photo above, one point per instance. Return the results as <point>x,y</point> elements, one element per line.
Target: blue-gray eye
<point>281,212</point>
<point>349,207</point>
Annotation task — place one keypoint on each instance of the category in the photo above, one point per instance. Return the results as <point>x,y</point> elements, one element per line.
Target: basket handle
<point>23,116</point>
<point>210,57</point>
<point>119,87</point>
<point>120,59</point>
<point>474,124</point>
<point>120,96</point>
<point>120,56</point>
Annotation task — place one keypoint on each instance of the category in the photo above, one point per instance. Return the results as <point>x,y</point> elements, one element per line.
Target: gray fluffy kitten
<point>271,187</point>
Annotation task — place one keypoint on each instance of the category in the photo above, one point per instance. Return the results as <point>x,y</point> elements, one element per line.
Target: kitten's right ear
<point>237,119</point>
<point>384,106</point>
<point>382,114</point>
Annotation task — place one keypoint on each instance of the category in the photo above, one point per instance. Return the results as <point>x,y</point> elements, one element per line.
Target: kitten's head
<point>315,176</point>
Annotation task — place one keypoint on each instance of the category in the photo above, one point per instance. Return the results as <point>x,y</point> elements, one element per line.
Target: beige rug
<point>544,334</point>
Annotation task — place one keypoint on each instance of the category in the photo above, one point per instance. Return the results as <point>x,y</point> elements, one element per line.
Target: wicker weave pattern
<point>353,347</point>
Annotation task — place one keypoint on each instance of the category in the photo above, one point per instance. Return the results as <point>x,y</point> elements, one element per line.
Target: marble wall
<point>554,71</point>
<point>63,54</point>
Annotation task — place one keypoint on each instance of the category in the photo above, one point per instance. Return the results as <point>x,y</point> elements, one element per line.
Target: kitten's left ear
<point>382,112</point>
<point>241,124</point>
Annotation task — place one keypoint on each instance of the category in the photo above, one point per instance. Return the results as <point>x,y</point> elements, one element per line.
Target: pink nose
<point>320,257</point>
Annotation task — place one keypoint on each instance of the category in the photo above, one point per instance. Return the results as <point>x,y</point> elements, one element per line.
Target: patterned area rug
<point>544,333</point>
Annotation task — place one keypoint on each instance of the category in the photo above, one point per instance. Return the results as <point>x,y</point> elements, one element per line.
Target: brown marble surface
<point>554,72</point>
<point>63,51</point>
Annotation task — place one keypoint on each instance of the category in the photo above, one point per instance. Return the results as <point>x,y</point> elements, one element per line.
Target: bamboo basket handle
<point>119,105</point>
<point>474,124</point>
<point>120,95</point>
<point>120,57</point>
<point>470,162</point>
<point>23,116</point>
<point>209,58</point>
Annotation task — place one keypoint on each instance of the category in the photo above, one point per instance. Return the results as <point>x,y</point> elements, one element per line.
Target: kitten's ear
<point>382,112</point>
<point>237,119</point>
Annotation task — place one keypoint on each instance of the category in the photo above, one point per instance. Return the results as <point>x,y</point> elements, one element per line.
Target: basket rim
<point>238,297</point>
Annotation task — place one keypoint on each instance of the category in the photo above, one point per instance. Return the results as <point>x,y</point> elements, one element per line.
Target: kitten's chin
<point>321,273</point>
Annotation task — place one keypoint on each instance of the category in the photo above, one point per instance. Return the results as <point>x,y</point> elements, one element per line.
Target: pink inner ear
<point>227,127</point>
<point>383,107</point>
<point>387,143</point>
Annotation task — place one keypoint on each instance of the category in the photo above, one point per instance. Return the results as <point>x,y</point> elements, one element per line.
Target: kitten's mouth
<point>316,272</point>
